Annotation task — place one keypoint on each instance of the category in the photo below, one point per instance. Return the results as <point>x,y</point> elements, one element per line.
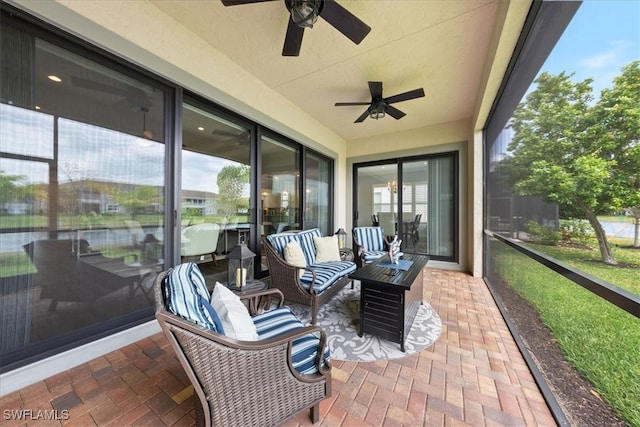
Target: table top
<point>381,275</point>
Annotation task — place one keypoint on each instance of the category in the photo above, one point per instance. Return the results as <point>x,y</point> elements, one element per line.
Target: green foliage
<point>138,198</point>
<point>231,182</point>
<point>598,338</point>
<point>544,234</point>
<point>576,231</point>
<point>9,188</point>
<point>582,156</point>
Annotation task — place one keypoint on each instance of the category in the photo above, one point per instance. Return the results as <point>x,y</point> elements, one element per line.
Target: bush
<point>576,230</point>
<point>543,234</point>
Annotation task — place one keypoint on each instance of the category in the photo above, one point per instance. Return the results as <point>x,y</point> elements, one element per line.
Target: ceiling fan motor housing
<point>304,13</point>
<point>378,109</point>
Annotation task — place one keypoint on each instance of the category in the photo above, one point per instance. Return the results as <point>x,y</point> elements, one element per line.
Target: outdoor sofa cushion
<point>186,294</point>
<point>327,273</point>
<point>184,291</point>
<point>303,354</point>
<point>371,240</point>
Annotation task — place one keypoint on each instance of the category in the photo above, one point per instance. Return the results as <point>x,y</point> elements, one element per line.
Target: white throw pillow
<point>293,255</point>
<point>327,248</point>
<point>233,314</point>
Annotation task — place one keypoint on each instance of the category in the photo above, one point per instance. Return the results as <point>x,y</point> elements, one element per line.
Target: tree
<point>231,182</point>
<point>616,127</point>
<point>9,189</point>
<point>554,152</point>
<point>137,199</point>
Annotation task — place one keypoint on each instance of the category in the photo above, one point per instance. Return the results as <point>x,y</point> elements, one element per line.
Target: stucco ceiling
<point>441,46</point>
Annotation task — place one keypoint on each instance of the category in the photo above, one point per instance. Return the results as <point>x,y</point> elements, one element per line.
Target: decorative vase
<point>394,249</point>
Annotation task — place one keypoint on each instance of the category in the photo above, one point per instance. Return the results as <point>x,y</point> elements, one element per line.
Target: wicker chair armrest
<point>260,301</point>
<point>260,345</point>
<point>281,270</point>
<point>312,289</point>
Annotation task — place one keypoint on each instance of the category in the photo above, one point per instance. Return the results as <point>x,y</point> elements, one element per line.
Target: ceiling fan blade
<point>376,90</point>
<point>238,2</point>
<point>293,39</point>
<point>416,93</point>
<point>344,21</point>
<point>343,104</point>
<point>395,113</point>
<point>363,116</point>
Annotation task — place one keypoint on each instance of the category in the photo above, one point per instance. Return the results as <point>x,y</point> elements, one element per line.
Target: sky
<point>603,36</point>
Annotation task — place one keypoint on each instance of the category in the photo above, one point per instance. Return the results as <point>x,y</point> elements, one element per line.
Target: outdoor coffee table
<point>390,296</point>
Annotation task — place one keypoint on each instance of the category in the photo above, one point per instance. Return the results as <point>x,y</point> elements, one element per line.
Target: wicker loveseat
<point>238,382</point>
<point>319,281</point>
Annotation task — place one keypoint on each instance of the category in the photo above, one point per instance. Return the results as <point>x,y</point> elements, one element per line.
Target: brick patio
<point>473,375</point>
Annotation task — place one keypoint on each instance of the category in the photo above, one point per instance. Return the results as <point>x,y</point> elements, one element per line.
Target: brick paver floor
<point>473,375</point>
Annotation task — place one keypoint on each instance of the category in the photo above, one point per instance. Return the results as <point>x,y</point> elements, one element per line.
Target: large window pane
<point>318,181</point>
<point>280,187</point>
<point>215,195</point>
<point>426,193</point>
<point>81,196</point>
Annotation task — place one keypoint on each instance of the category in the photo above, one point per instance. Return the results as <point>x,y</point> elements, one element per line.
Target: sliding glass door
<point>414,198</point>
<point>317,200</point>
<point>280,180</point>
<point>215,197</point>
<point>82,195</point>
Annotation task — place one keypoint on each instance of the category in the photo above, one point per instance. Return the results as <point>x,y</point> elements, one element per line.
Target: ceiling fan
<point>379,106</point>
<point>304,13</point>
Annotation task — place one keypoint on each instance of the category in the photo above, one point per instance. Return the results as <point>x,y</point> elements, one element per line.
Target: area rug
<point>340,317</point>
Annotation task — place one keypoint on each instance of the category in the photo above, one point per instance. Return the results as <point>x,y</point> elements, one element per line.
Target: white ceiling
<point>438,45</point>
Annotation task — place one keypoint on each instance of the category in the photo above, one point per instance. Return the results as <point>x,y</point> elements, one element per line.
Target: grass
<point>599,339</point>
<point>625,275</point>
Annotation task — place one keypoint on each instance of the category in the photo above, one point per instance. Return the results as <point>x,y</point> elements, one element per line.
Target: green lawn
<point>599,339</point>
<point>626,275</point>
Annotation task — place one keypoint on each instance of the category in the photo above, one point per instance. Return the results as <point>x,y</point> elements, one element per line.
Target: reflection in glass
<point>81,196</point>
<point>318,170</point>
<point>427,223</point>
<point>280,187</point>
<point>215,195</point>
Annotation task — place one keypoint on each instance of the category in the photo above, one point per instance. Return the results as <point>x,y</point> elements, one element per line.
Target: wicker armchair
<point>286,278</point>
<point>242,383</point>
<point>369,244</point>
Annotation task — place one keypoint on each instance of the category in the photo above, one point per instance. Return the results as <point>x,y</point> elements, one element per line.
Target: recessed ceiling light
<point>37,107</point>
<point>54,78</point>
<point>200,128</point>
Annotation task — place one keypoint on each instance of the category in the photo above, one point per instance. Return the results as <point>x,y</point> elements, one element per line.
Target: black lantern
<point>150,249</point>
<point>342,238</point>
<point>239,267</point>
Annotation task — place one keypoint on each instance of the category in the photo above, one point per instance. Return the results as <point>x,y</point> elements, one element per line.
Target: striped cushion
<point>280,240</point>
<point>185,289</point>
<point>370,238</point>
<point>370,256</point>
<point>281,320</point>
<point>304,238</point>
<point>327,273</point>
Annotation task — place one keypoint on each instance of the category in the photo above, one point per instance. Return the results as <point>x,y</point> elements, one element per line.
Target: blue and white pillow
<point>186,294</point>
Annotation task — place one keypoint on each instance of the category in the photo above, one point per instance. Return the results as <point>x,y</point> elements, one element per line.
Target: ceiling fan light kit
<point>377,110</point>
